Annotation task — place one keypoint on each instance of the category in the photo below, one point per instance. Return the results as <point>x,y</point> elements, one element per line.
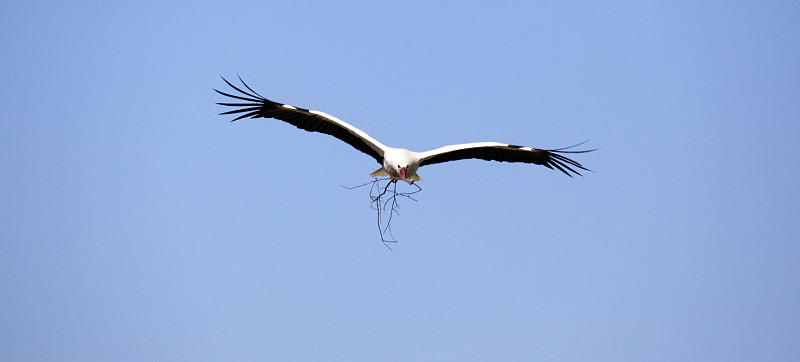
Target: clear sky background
<point>137,224</point>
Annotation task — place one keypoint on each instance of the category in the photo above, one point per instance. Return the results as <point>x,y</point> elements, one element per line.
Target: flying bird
<point>396,163</point>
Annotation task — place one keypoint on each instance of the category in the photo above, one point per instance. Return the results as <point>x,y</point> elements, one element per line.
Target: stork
<point>396,163</point>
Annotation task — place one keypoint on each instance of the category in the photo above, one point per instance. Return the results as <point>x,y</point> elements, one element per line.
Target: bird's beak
<point>403,173</point>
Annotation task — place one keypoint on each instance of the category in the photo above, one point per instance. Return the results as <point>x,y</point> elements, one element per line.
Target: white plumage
<point>397,163</point>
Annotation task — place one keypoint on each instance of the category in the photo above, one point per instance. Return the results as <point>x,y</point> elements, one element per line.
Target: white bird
<point>397,163</point>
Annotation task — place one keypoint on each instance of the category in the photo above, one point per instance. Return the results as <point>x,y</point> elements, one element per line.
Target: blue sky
<point>137,224</point>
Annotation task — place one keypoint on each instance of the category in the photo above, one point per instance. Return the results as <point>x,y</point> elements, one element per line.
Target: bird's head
<point>402,169</point>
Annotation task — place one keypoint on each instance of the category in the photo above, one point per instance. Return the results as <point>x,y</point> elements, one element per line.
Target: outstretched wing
<point>311,121</point>
<point>493,151</point>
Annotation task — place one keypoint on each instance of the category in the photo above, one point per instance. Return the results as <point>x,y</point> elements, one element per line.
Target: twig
<point>382,197</point>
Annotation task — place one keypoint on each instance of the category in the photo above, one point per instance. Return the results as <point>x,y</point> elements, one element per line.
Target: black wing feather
<point>552,159</point>
<point>260,107</point>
